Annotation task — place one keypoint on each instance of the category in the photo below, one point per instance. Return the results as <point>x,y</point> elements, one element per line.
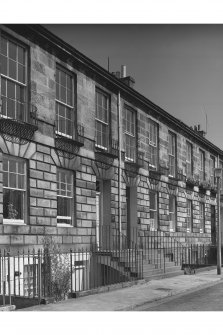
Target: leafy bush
<point>58,269</point>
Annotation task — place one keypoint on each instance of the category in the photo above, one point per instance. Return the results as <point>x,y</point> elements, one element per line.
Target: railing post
<point>8,279</point>
<point>71,271</point>
<point>3,277</point>
<point>164,265</point>
<point>39,279</point>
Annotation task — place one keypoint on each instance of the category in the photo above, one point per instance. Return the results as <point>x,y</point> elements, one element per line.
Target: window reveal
<point>129,121</point>
<point>64,196</point>
<point>13,80</point>
<point>64,103</point>
<point>102,127</point>
<point>14,189</point>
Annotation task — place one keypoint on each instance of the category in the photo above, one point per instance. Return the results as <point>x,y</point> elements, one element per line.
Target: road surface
<point>209,299</point>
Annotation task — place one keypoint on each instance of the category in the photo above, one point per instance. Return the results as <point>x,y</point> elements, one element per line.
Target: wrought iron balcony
<point>110,151</point>
<point>19,130</point>
<point>192,180</point>
<point>135,163</point>
<point>164,170</point>
<point>204,185</point>
<point>104,157</point>
<point>69,146</point>
<point>181,176</point>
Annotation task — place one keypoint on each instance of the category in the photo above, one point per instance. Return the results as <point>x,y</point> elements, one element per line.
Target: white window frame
<point>62,103</point>
<point>154,210</point>
<point>189,215</point>
<point>212,167</point>
<point>102,122</point>
<point>71,216</point>
<point>16,81</point>
<point>153,134</point>
<point>173,213</point>
<point>202,216</point>
<point>131,135</point>
<point>24,190</point>
<point>201,165</point>
<point>172,153</point>
<point>189,154</point>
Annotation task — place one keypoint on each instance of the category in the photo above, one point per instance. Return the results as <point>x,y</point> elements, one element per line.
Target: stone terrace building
<point>63,120</point>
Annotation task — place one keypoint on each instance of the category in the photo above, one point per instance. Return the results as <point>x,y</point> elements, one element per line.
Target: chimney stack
<point>123,71</point>
<point>128,80</point>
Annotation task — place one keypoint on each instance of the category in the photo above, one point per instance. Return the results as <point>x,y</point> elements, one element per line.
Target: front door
<point>103,214</point>
<point>131,207</point>
<point>213,225</point>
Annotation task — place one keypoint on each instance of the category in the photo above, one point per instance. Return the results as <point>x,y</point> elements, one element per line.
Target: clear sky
<point>178,67</point>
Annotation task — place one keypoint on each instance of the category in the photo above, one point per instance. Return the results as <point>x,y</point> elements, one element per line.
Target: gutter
<point>78,56</point>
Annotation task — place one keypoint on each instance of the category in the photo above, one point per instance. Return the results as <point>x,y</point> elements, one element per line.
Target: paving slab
<point>127,299</point>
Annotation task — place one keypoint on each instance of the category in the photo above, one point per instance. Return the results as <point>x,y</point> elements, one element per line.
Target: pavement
<point>143,293</point>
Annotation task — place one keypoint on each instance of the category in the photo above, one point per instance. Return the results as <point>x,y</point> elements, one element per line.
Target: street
<point>209,299</point>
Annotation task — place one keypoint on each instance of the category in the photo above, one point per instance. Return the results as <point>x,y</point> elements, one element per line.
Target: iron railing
<point>38,275</point>
<point>159,247</point>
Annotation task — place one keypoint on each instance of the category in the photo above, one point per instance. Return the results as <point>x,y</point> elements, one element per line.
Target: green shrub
<point>57,264</point>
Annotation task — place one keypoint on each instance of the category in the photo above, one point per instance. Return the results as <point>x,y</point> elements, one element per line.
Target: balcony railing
<point>192,181</point>
<point>67,145</point>
<point>181,176</point>
<point>20,129</point>
<point>111,150</point>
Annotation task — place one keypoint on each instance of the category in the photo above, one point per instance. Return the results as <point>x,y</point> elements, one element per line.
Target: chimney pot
<point>123,71</point>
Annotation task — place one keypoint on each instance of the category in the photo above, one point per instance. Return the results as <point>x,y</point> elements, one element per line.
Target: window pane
<point>13,204</point>
<point>57,75</point>
<point>5,179</point>
<point>152,199</point>
<point>10,89</point>
<point>63,94</point>
<point>57,91</point>
<point>69,82</point>
<point>69,97</point>
<point>20,167</point>
<point>21,55</point>
<point>21,73</point>
<point>12,180</point>
<point>69,127</point>
<point>62,111</point>
<point>12,69</point>
<point>21,183</point>
<point>62,78</point>
<point>12,165</point>
<point>20,93</point>
<point>5,165</point>
<point>4,65</point>
<point>12,51</point>
<point>63,206</point>
<point>3,86</point>
<point>11,108</point>
<point>4,46</point>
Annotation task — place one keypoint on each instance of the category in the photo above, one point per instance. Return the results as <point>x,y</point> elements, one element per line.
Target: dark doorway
<point>213,225</point>
<point>131,202</point>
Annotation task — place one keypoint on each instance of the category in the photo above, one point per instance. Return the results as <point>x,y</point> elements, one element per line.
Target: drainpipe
<point>119,166</point>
